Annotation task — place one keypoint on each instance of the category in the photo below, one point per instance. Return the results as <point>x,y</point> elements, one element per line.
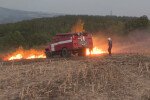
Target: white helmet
<point>109,39</point>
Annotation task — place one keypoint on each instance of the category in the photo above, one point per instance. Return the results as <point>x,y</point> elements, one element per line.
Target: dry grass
<point>120,77</point>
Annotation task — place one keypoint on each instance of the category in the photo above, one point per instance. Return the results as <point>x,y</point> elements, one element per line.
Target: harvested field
<point>119,77</point>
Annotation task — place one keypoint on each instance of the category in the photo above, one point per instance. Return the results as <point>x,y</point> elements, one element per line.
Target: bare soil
<point>103,77</point>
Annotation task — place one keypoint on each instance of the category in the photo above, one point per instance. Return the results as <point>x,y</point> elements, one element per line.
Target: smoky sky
<point>90,7</point>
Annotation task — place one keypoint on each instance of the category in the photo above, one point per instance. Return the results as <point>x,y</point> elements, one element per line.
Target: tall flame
<point>78,27</point>
<point>25,54</point>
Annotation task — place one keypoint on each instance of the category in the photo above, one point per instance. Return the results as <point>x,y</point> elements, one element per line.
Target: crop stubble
<point>119,77</point>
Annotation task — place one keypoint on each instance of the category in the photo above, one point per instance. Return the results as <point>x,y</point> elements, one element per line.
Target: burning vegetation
<point>25,54</point>
<point>94,51</point>
<point>34,54</point>
<point>20,53</point>
<point>79,27</point>
<point>135,42</point>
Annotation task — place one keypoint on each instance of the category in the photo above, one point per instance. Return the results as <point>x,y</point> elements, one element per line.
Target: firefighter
<point>109,46</point>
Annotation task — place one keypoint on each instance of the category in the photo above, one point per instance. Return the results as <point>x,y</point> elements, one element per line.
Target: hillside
<point>11,15</point>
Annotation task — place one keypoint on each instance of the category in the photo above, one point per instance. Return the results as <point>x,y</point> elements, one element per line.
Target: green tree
<point>138,23</point>
<point>14,39</point>
<point>37,39</point>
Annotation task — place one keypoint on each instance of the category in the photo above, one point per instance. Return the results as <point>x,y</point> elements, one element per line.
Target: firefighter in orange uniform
<point>109,46</point>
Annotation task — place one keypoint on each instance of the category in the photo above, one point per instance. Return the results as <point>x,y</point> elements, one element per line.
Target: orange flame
<point>32,53</point>
<point>94,51</point>
<point>78,27</point>
<point>25,54</point>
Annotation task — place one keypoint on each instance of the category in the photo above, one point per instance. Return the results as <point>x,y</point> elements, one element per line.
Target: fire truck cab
<point>65,44</point>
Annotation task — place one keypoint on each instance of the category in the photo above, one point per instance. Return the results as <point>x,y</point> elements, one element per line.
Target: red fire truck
<point>65,44</point>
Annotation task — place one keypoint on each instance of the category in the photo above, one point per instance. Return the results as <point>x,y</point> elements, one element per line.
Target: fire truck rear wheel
<point>81,52</point>
<point>65,53</point>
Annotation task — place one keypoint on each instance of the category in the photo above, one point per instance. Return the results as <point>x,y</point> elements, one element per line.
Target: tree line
<point>37,32</point>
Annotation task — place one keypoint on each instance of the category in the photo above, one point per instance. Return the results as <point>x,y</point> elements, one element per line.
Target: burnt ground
<point>119,77</point>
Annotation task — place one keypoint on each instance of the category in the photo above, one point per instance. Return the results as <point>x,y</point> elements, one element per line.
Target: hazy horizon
<point>135,8</point>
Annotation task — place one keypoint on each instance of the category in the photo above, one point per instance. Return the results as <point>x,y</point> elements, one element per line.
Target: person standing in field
<point>109,45</point>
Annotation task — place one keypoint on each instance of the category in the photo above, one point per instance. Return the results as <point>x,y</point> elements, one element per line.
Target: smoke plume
<point>135,42</point>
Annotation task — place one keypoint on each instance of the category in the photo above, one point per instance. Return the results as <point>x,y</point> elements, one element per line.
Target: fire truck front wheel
<point>48,54</point>
<point>65,53</point>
